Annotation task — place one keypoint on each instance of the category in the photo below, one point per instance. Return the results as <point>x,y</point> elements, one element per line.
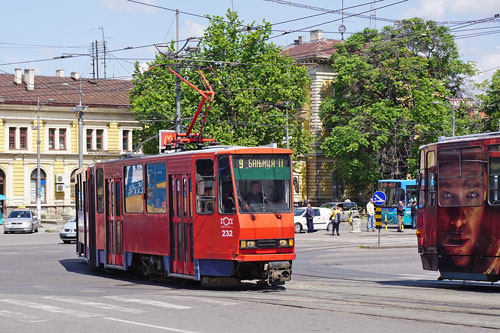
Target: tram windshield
<point>263,183</point>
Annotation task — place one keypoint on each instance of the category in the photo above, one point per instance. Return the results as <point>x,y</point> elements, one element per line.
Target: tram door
<point>181,225</point>
<point>114,222</point>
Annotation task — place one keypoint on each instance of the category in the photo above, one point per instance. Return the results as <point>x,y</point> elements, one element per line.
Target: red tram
<point>221,213</point>
<point>458,221</point>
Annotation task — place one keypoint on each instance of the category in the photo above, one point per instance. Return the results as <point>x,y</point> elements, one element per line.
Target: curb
<point>387,246</point>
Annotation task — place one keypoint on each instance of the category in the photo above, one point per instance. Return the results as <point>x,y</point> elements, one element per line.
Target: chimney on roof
<point>18,76</point>
<point>75,75</point>
<point>29,79</point>
<point>60,73</point>
<point>316,35</point>
<point>302,39</point>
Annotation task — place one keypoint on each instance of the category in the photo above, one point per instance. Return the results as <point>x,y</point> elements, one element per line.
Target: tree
<point>384,107</point>
<point>491,102</point>
<point>254,88</point>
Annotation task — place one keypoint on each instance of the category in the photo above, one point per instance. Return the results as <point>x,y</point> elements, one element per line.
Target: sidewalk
<point>389,238</point>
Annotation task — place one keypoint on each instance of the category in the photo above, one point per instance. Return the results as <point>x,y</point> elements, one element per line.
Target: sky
<point>57,34</point>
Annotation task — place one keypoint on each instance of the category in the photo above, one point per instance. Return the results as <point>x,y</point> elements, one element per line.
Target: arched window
<point>33,187</point>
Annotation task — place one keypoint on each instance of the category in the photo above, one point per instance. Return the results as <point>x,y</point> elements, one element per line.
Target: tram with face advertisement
<point>458,220</point>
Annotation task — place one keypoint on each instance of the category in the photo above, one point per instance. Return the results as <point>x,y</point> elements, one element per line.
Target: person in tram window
<point>255,195</point>
<point>467,236</point>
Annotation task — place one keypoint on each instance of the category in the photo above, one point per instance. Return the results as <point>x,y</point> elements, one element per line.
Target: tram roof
<point>463,138</point>
<point>212,149</point>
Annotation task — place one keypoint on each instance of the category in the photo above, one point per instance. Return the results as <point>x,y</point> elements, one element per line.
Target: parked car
<point>21,220</point>
<point>349,208</point>
<point>320,219</point>
<point>68,231</point>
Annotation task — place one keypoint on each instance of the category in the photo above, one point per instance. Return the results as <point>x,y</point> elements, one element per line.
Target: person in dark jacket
<point>309,218</point>
<point>414,215</point>
<point>400,214</point>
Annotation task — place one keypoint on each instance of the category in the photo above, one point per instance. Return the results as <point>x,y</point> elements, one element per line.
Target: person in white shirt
<point>370,214</point>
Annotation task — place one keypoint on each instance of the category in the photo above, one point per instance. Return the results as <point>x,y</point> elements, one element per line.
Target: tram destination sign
<point>261,162</point>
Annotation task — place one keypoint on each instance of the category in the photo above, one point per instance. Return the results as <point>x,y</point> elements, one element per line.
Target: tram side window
<point>156,188</point>
<point>99,179</point>
<point>134,189</point>
<point>225,189</point>
<point>460,177</point>
<point>494,175</point>
<point>431,180</point>
<point>205,198</point>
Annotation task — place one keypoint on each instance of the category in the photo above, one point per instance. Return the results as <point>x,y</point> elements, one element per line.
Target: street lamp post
<point>38,188</point>
<point>452,114</point>
<point>79,109</point>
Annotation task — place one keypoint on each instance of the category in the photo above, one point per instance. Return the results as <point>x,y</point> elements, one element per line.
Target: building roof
<point>66,91</point>
<point>314,51</point>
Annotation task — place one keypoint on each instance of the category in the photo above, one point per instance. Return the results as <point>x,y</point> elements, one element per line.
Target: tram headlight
<point>248,244</point>
<point>286,242</point>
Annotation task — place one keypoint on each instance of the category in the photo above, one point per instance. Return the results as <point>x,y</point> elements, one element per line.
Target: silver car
<point>68,231</point>
<point>20,220</point>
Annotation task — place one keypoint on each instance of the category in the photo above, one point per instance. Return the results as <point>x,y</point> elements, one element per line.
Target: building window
<point>62,139</point>
<point>89,139</point>
<point>18,138</point>
<point>126,140</point>
<point>33,186</point>
<point>98,139</point>
<point>23,138</point>
<point>52,138</point>
<point>12,138</point>
<point>95,139</point>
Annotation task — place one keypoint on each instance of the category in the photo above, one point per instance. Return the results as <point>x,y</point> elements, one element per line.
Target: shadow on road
<point>468,286</point>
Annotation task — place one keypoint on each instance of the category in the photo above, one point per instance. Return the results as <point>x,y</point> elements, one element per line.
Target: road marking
<point>50,308</point>
<point>17,316</point>
<point>206,300</point>
<point>94,304</point>
<point>149,302</point>
<point>430,275</point>
<point>149,325</point>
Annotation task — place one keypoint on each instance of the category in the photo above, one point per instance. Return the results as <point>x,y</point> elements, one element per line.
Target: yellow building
<point>314,175</point>
<point>107,133</point>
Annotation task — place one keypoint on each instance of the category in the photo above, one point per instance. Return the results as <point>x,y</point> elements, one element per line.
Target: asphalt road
<point>346,283</point>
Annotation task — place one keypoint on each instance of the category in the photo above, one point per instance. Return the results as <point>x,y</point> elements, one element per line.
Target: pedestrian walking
<point>414,214</point>
<point>335,218</point>
<point>400,214</point>
<point>370,215</point>
<point>309,218</point>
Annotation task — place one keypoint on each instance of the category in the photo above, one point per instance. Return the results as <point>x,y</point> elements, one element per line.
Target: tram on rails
<point>458,221</point>
<point>216,214</point>
<point>222,212</point>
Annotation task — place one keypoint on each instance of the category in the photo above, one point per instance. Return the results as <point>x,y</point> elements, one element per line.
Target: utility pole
<point>79,109</point>
<point>178,80</point>
<point>80,129</point>
<point>287,138</point>
<point>38,188</point>
<point>453,117</point>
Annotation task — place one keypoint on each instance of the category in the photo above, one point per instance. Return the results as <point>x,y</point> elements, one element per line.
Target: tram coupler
<point>277,272</point>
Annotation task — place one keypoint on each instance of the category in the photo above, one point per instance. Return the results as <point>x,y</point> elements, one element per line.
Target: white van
<point>320,220</point>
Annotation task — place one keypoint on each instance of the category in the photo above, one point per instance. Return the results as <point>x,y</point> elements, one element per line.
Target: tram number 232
<point>227,233</point>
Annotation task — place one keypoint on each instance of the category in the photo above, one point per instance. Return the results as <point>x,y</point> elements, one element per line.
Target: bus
<point>458,219</point>
<point>396,191</point>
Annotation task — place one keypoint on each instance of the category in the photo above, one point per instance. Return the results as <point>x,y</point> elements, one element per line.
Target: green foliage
<point>491,102</point>
<point>253,86</point>
<point>384,107</point>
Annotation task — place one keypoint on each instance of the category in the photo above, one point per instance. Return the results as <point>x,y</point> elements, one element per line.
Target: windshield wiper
<point>246,206</point>
<point>266,199</point>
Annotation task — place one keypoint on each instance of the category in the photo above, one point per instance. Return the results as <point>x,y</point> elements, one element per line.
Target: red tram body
<point>458,221</point>
<point>186,214</point>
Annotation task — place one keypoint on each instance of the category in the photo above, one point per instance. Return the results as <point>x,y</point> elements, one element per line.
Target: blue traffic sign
<point>379,198</point>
